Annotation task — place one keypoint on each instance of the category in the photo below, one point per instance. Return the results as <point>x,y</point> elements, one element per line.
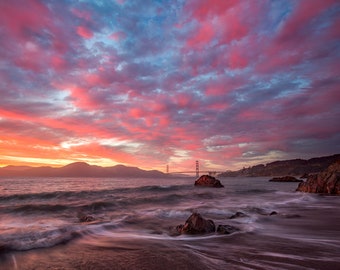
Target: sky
<point>167,82</point>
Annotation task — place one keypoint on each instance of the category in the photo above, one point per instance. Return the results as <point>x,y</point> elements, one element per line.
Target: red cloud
<point>302,16</point>
<point>202,9</point>
<point>22,16</point>
<point>137,113</point>
<point>58,62</point>
<point>237,58</point>
<point>84,32</point>
<point>203,36</point>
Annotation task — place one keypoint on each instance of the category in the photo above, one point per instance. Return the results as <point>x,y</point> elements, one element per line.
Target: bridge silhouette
<point>197,171</point>
<point>211,173</point>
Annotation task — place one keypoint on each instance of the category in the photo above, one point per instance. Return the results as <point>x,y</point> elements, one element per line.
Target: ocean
<point>278,228</point>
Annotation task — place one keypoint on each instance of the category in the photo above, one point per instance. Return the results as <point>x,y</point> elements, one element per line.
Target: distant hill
<point>293,167</point>
<point>78,169</point>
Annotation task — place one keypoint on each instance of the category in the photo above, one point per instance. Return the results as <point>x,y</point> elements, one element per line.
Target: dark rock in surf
<point>285,179</point>
<point>196,224</point>
<point>208,181</point>
<point>226,229</point>
<point>85,218</point>
<point>327,182</point>
<point>238,215</point>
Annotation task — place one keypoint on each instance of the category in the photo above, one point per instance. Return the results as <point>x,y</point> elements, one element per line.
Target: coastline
<point>276,244</point>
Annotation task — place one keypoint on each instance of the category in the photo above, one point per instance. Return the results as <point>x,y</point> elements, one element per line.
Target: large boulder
<point>196,224</point>
<point>327,181</point>
<point>208,181</point>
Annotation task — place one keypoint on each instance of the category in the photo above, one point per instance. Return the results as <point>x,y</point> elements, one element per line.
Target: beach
<point>280,229</point>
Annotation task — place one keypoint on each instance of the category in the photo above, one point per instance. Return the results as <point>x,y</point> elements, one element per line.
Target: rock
<point>196,224</point>
<point>285,179</point>
<point>85,218</point>
<point>304,176</point>
<point>226,229</point>
<point>327,182</point>
<point>238,215</point>
<point>208,181</point>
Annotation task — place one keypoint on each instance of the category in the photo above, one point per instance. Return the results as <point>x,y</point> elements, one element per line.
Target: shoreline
<point>297,238</point>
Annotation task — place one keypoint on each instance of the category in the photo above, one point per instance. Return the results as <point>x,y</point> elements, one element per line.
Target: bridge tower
<point>167,168</point>
<point>197,169</point>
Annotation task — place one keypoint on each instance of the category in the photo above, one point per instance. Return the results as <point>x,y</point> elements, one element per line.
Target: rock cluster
<point>208,181</point>
<point>196,224</point>
<point>327,182</point>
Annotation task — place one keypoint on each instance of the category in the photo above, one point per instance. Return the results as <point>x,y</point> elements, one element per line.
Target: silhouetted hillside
<point>294,167</point>
<point>78,169</point>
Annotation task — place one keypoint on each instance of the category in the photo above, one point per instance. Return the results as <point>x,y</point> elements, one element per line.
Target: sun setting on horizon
<point>157,83</point>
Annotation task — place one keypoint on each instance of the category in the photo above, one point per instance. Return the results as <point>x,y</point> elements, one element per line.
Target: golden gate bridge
<point>197,171</point>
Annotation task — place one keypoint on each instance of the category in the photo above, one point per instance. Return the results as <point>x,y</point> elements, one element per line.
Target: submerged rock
<point>285,179</point>
<point>327,182</point>
<point>208,181</point>
<point>196,224</point>
<point>238,215</point>
<point>85,218</point>
<point>226,229</point>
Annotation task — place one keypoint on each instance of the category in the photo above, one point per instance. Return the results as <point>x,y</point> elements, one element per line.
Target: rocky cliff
<point>293,167</point>
<point>327,182</point>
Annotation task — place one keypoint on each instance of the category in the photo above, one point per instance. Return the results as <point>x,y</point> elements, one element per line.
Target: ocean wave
<point>37,239</point>
<point>29,208</point>
<point>161,188</point>
<point>74,195</point>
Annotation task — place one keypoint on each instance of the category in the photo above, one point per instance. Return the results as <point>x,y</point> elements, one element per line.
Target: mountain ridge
<point>78,169</point>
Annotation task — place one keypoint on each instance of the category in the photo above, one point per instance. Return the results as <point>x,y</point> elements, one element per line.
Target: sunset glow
<point>150,83</point>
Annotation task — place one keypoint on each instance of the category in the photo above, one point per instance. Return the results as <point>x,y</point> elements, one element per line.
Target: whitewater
<point>278,229</point>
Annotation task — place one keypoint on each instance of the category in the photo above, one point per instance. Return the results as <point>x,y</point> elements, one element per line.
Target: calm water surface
<point>40,226</point>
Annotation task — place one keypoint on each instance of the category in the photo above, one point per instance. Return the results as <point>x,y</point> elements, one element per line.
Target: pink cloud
<point>137,113</point>
<point>233,27</point>
<point>98,79</point>
<point>203,36</point>
<point>84,32</point>
<point>58,62</point>
<point>302,16</point>
<point>117,36</point>
<point>83,14</point>
<point>298,39</point>
<point>100,151</point>
<point>202,9</point>
<point>23,15</point>
<point>183,100</point>
<point>237,58</point>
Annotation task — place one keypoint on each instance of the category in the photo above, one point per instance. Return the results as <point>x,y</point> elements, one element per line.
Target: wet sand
<point>306,238</point>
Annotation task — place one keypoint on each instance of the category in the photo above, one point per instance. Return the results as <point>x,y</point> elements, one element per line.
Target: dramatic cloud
<point>151,83</point>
